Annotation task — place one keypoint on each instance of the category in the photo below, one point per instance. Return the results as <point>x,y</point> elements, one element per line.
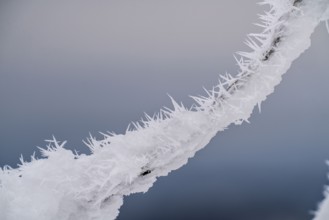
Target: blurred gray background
<point>68,68</point>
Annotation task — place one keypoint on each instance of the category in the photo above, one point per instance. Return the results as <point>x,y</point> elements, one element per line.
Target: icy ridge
<point>65,185</point>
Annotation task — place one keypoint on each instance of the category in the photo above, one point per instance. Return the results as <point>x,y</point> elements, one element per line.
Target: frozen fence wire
<point>65,185</point>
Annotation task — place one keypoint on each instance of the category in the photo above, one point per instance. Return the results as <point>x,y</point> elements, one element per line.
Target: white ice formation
<point>67,186</point>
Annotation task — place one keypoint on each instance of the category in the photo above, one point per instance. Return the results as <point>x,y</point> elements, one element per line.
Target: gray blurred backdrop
<point>68,68</point>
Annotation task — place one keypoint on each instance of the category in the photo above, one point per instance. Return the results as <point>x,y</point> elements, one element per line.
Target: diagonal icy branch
<point>65,185</point>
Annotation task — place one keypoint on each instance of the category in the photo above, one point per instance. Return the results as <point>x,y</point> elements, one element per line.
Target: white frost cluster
<point>67,186</point>
<point>323,212</point>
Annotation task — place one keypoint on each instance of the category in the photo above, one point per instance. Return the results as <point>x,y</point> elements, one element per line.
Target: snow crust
<point>67,186</point>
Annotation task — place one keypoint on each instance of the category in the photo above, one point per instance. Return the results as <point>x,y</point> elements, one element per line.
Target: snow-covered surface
<point>64,185</point>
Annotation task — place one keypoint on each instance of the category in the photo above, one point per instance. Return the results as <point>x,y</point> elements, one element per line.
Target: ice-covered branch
<point>64,185</point>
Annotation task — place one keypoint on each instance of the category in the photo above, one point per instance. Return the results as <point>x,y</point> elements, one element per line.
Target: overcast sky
<point>68,68</point>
